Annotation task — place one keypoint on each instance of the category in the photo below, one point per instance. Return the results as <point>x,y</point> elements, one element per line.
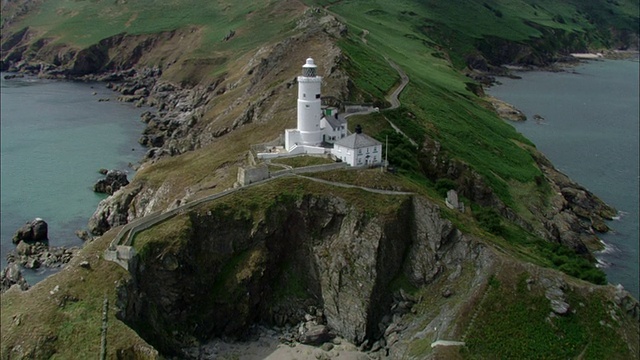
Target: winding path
<point>392,98</point>
<point>119,250</point>
<point>395,102</point>
<point>404,80</point>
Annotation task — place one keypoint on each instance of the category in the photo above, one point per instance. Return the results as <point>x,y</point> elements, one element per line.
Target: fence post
<point>105,319</point>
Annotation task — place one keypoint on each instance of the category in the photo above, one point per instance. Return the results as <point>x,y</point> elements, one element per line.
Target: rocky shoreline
<point>32,252</point>
<point>509,112</point>
<point>486,74</point>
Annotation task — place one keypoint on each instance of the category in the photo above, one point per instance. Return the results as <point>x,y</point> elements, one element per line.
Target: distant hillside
<point>219,77</point>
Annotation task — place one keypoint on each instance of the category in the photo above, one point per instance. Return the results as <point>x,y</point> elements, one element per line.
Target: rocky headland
<point>314,267</point>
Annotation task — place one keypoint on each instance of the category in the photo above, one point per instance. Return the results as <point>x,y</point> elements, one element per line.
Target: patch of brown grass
<point>61,316</point>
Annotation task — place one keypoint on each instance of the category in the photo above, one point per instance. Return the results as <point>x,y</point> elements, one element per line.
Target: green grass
<point>436,103</point>
<point>87,22</point>
<point>513,323</point>
<point>177,230</point>
<point>448,24</point>
<point>201,25</point>
<point>302,161</point>
<point>428,39</point>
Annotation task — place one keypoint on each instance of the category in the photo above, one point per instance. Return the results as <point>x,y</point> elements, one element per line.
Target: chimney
<point>358,129</point>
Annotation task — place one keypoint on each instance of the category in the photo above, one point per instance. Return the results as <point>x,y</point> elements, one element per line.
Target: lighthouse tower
<point>308,132</point>
<point>309,104</point>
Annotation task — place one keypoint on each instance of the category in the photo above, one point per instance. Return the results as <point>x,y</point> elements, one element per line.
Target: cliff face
<point>387,271</point>
<point>229,271</point>
<point>570,214</point>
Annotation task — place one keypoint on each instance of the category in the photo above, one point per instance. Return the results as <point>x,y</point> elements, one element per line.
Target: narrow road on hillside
<point>404,80</point>
<point>392,98</point>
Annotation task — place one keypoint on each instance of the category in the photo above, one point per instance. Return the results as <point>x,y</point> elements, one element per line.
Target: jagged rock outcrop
<point>115,210</point>
<point>36,230</point>
<point>573,215</point>
<point>34,256</point>
<point>11,275</point>
<point>438,245</point>
<point>114,180</point>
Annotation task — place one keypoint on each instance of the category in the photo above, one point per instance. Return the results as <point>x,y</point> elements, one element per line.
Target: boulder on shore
<point>36,255</point>
<point>34,231</point>
<point>114,180</point>
<point>11,275</point>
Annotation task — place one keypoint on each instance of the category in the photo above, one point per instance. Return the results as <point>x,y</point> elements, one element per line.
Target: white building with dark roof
<point>358,149</point>
<point>333,127</point>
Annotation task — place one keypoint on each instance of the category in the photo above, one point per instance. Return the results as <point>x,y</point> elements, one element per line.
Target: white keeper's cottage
<point>358,149</point>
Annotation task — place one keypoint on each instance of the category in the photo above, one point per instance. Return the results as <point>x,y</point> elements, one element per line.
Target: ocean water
<point>590,132</point>
<point>55,136</point>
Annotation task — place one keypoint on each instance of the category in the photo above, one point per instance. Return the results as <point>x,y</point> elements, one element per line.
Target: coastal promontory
<point>325,258</point>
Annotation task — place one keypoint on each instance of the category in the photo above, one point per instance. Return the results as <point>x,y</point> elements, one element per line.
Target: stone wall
<point>251,174</point>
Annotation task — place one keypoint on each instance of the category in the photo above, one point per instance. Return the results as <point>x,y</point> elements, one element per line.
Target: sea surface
<point>55,136</point>
<point>590,132</point>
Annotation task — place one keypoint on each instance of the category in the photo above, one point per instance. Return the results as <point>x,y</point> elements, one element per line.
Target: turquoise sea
<point>590,132</point>
<point>55,136</point>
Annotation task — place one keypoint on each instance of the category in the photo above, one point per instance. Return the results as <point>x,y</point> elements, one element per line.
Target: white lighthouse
<point>309,104</point>
<point>313,127</point>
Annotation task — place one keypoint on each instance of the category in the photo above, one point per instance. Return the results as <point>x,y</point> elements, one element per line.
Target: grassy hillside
<point>458,27</point>
<point>201,50</point>
<point>85,23</point>
<point>438,96</point>
<point>60,317</point>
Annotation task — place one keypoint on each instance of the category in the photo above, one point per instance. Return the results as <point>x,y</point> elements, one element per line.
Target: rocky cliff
<point>569,214</point>
<point>227,266</point>
<point>225,269</point>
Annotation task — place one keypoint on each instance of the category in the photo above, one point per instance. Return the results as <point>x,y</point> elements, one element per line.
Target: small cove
<point>55,136</point>
<point>590,132</point>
